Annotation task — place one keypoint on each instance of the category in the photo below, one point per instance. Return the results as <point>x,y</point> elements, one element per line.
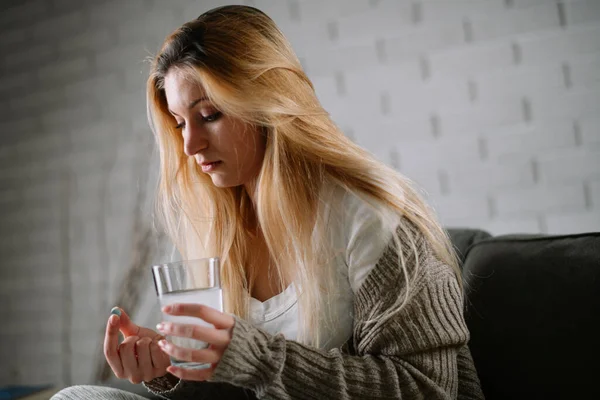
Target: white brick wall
<point>581,11</point>
<point>413,41</point>
<point>531,139</point>
<point>464,61</point>
<point>490,106</point>
<point>512,22</point>
<point>584,70</point>
<point>559,44</point>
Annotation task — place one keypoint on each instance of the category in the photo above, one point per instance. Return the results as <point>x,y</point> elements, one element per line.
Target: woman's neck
<point>251,191</point>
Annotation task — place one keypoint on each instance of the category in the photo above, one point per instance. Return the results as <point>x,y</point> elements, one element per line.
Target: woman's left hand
<point>218,339</point>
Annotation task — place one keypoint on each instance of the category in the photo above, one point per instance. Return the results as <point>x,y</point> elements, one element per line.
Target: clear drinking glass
<point>190,281</point>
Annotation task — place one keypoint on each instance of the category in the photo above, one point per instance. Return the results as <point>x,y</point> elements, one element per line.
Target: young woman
<point>338,280</point>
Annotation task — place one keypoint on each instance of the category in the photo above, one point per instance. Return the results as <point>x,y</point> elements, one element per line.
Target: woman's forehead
<point>180,90</point>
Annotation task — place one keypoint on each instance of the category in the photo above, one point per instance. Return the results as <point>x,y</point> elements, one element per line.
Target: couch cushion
<point>463,239</point>
<point>533,310</point>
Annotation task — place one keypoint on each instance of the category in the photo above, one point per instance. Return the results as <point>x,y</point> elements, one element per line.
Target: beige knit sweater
<point>420,353</point>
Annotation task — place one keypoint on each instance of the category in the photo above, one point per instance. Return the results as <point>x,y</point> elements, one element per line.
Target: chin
<point>222,183</point>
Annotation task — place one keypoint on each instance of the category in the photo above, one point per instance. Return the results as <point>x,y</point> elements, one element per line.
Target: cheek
<point>250,151</point>
<point>256,153</point>
<point>243,158</point>
<point>243,148</point>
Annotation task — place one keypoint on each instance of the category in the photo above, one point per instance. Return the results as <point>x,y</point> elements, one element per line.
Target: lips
<point>210,166</point>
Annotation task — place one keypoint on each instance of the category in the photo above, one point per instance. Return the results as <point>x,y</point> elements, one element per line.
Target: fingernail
<point>163,343</point>
<point>113,320</point>
<point>167,309</point>
<point>116,311</point>
<point>160,326</point>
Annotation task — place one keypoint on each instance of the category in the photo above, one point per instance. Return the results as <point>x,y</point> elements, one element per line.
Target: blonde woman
<point>339,282</point>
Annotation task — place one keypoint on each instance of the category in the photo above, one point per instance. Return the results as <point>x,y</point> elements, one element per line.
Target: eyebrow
<point>192,104</point>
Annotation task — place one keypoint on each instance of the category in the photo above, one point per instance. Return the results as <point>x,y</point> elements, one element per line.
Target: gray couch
<point>533,310</point>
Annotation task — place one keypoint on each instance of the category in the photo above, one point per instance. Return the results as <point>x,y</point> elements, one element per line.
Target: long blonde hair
<point>248,69</point>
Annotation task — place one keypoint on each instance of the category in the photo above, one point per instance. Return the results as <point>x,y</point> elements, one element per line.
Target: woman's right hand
<point>138,358</point>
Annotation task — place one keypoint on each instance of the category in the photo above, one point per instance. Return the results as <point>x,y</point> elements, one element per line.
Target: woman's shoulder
<point>351,213</point>
<point>360,229</point>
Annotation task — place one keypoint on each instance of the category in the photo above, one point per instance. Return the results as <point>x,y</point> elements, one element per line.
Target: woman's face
<point>230,151</point>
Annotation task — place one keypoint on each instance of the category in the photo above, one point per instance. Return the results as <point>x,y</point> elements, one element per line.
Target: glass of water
<point>190,281</point>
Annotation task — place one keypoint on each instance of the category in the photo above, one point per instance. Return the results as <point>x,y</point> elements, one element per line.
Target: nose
<point>194,140</point>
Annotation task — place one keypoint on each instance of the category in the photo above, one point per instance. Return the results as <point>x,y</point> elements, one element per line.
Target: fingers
<point>128,359</point>
<point>215,317</point>
<point>191,374</point>
<point>135,357</point>
<point>127,326</point>
<point>210,355</point>
<point>217,337</point>
<point>144,359</point>
<point>111,344</point>
<point>160,359</point>
<point>138,358</point>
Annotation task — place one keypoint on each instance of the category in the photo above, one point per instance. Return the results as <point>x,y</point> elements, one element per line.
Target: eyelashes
<point>209,118</point>
<point>212,117</point>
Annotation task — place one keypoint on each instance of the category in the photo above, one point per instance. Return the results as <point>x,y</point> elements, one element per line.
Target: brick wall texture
<point>491,106</point>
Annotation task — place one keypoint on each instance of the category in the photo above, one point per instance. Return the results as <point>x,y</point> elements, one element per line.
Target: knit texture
<point>419,353</point>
